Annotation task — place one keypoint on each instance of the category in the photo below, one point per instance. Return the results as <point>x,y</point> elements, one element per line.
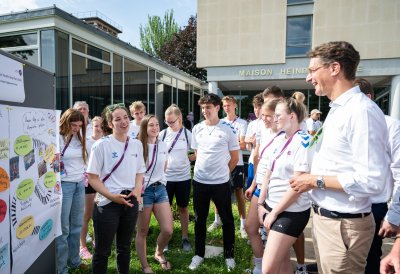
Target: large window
<point>298,35</point>
<point>24,46</point>
<point>135,82</point>
<point>62,71</point>
<point>117,79</point>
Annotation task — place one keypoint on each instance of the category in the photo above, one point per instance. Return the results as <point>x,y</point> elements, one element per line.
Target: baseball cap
<point>315,111</point>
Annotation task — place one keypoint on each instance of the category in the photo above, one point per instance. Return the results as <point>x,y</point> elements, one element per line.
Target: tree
<point>157,32</point>
<point>181,50</point>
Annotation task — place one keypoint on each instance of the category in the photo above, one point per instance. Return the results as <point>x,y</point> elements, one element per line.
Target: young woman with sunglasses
<point>115,171</point>
<point>155,197</point>
<point>283,211</point>
<point>178,140</point>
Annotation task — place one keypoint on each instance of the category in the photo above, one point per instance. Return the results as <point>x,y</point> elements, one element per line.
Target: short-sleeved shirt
<point>73,160</point>
<point>213,145</point>
<point>240,127</point>
<point>178,167</point>
<point>156,172</point>
<point>313,125</point>
<point>297,156</point>
<point>106,153</point>
<point>252,129</point>
<point>133,130</point>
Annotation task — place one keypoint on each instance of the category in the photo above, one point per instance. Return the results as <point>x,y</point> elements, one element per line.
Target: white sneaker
<point>301,270</point>
<point>213,226</point>
<point>243,233</point>
<point>230,264</point>
<point>257,271</point>
<point>196,262</point>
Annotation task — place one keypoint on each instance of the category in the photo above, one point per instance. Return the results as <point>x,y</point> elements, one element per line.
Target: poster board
<point>34,196</point>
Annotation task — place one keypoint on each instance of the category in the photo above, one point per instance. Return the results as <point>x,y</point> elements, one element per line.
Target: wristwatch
<point>320,182</point>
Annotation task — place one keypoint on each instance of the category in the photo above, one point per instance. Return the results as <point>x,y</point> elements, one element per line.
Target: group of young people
<point>136,171</point>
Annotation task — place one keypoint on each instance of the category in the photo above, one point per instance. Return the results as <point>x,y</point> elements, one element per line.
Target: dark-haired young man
<point>217,153</point>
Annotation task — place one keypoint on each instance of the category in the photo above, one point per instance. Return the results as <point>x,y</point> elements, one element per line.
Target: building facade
<point>91,64</point>
<point>246,46</point>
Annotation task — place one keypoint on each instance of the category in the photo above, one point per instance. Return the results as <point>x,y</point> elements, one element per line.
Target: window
<point>18,40</point>
<point>298,36</point>
<point>294,2</point>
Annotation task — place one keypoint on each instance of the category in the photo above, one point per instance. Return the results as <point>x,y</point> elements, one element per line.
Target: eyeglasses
<point>115,106</point>
<point>170,122</point>
<point>313,70</point>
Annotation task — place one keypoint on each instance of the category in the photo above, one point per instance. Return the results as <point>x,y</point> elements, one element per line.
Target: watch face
<point>320,183</point>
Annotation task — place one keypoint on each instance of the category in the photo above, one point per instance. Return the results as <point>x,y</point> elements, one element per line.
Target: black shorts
<point>290,223</point>
<point>237,177</point>
<point>181,190</point>
<point>89,189</point>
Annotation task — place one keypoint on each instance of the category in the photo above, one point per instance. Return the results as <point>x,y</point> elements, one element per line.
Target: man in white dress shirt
<point>387,221</point>
<point>350,161</point>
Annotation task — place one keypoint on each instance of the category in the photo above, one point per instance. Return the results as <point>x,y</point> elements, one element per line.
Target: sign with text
<point>11,80</point>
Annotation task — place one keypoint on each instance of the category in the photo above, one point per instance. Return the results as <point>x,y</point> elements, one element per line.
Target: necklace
<point>208,129</point>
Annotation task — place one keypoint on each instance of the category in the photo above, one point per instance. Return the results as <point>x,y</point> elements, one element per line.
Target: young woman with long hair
<point>73,157</point>
<point>115,171</point>
<point>155,197</point>
<point>285,212</point>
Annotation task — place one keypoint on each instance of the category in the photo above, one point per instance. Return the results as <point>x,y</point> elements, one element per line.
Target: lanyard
<point>119,162</point>
<point>283,149</point>
<point>152,159</point>
<point>233,121</point>
<point>66,145</point>
<point>262,152</point>
<point>176,139</point>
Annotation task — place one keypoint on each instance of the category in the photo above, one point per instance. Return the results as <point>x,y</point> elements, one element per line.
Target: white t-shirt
<point>73,161</point>
<point>240,127</point>
<point>267,154</point>
<point>252,129</point>
<point>213,144</point>
<point>156,173</point>
<point>89,143</point>
<point>106,153</point>
<point>133,129</point>
<point>89,129</point>
<point>297,156</point>
<point>178,167</point>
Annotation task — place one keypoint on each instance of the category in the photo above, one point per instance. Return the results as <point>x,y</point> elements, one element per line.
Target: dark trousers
<point>108,221</point>
<point>374,256</point>
<point>221,196</point>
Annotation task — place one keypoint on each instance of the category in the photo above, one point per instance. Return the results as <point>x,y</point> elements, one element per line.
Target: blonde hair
<point>174,109</point>
<point>229,98</point>
<point>97,118</point>
<point>137,105</point>
<point>299,96</point>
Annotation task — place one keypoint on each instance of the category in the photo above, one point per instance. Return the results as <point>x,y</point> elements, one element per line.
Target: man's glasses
<point>313,70</point>
<point>115,106</point>
<point>171,122</point>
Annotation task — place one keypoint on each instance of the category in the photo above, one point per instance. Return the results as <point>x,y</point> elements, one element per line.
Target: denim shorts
<point>155,193</point>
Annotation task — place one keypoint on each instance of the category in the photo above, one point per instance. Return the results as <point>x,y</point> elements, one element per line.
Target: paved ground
<point>310,255</point>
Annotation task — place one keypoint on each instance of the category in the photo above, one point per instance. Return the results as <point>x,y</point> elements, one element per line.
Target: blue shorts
<point>155,193</point>
<point>250,175</point>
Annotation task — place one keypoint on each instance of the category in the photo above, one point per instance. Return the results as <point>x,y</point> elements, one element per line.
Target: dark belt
<point>156,184</point>
<point>336,215</point>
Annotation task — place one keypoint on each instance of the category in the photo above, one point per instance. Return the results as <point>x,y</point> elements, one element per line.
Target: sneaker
<point>84,253</point>
<point>243,233</point>
<point>88,238</point>
<point>196,262</point>
<point>230,264</point>
<point>301,270</point>
<point>253,271</point>
<point>166,248</point>
<point>186,245</point>
<point>213,226</point>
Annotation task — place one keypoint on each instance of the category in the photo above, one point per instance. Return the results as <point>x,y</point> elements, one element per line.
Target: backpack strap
<point>165,134</point>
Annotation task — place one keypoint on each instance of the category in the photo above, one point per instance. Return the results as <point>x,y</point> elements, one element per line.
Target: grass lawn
<point>179,259</point>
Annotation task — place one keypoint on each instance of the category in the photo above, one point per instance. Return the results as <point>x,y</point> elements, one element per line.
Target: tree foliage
<point>181,50</point>
<point>157,32</point>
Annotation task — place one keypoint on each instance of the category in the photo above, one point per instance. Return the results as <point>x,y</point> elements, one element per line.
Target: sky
<point>129,14</point>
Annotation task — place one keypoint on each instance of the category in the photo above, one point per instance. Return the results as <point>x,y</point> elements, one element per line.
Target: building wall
<point>372,26</point>
<point>240,32</point>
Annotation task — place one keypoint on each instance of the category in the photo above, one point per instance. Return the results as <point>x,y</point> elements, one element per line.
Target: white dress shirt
<point>353,147</point>
<point>393,184</point>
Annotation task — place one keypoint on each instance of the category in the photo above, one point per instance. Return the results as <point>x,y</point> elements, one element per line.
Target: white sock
<point>301,266</point>
<point>217,218</point>
<point>242,222</point>
<point>257,263</point>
